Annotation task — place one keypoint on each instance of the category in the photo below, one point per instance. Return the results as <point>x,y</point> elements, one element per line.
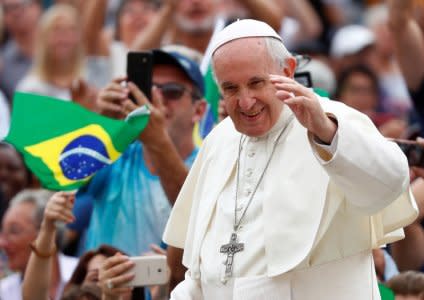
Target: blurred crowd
<point>366,54</point>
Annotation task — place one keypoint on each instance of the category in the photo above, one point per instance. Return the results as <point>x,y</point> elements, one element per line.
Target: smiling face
<point>63,37</point>
<point>181,113</point>
<point>360,91</point>
<point>133,18</point>
<point>18,232</point>
<point>242,68</point>
<point>13,175</point>
<point>196,15</point>
<point>20,16</point>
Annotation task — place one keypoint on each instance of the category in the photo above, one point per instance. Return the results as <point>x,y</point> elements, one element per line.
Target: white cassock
<point>310,228</point>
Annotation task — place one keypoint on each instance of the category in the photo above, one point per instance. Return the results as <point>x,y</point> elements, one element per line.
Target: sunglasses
<point>174,91</point>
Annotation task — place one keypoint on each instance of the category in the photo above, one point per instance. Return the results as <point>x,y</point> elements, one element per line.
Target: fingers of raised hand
<point>157,98</point>
<point>115,272</point>
<point>138,95</point>
<point>128,106</point>
<point>59,207</point>
<point>115,265</point>
<point>109,99</point>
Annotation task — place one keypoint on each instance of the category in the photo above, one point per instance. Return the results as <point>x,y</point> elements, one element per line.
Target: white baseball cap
<point>351,39</point>
<point>242,29</point>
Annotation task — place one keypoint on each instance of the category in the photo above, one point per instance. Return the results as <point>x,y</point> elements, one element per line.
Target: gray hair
<point>37,197</point>
<point>277,51</point>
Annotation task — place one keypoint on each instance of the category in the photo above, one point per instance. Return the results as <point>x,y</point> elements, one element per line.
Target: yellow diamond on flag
<point>77,155</point>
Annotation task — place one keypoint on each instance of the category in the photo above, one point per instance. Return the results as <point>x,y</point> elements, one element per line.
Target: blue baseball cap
<point>189,67</point>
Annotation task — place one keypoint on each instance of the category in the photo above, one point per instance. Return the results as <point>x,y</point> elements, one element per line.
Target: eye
<point>229,89</point>
<point>257,83</point>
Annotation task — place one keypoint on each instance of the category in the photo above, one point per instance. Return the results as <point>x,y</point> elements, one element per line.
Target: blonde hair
<point>41,65</point>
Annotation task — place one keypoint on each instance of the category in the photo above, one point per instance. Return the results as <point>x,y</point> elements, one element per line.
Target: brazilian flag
<point>385,292</point>
<point>63,143</point>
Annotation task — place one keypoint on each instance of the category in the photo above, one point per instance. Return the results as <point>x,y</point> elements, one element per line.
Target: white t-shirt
<point>33,84</point>
<point>11,286</point>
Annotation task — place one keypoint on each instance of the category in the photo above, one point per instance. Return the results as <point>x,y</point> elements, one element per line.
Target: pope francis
<point>289,195</point>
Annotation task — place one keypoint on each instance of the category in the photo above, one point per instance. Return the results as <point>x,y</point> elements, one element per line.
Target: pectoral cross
<point>230,249</point>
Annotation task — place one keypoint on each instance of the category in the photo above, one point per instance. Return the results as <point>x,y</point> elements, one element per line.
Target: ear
<point>290,67</point>
<point>199,108</point>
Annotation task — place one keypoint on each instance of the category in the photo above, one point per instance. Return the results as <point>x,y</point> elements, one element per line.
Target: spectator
<point>358,87</point>
<point>59,56</point>
<point>352,45</point>
<point>37,280</point>
<point>14,175</point>
<point>20,19</point>
<point>409,252</point>
<point>270,11</point>
<point>408,41</point>
<point>194,21</point>
<point>132,18</point>
<point>133,197</point>
<point>302,24</point>
<point>394,94</point>
<point>21,225</point>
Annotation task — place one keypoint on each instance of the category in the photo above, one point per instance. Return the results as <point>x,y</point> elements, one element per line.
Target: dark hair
<point>80,271</point>
<point>355,69</point>
<point>28,175</point>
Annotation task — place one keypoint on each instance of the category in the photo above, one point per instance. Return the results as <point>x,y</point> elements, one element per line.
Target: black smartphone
<point>139,71</point>
<point>414,152</point>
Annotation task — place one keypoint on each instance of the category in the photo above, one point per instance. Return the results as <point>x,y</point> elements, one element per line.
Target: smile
<point>253,114</point>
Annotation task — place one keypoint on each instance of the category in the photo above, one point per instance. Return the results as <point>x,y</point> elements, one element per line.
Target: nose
<point>246,100</point>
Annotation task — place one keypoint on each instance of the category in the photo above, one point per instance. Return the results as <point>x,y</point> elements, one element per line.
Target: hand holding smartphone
<point>413,151</point>
<point>139,71</point>
<point>149,270</point>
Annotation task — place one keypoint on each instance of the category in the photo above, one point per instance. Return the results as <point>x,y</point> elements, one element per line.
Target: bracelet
<point>41,254</point>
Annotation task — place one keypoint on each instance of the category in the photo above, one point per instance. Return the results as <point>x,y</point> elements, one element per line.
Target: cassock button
<point>248,191</point>
<point>249,172</point>
<point>251,154</point>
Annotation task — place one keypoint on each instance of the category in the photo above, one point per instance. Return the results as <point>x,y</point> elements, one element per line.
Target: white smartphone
<point>149,270</point>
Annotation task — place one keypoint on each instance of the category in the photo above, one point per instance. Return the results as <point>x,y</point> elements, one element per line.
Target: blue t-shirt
<point>130,208</point>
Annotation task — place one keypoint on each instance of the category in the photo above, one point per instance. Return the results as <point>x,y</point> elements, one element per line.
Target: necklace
<point>233,246</point>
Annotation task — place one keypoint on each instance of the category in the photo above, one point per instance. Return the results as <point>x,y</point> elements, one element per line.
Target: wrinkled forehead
<point>20,213</point>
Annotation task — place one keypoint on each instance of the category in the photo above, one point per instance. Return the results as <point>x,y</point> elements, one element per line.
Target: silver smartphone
<point>149,270</point>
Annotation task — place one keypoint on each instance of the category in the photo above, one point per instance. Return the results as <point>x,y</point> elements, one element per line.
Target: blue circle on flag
<point>82,157</point>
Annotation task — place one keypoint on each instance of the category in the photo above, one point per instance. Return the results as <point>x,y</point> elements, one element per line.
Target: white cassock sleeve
<point>366,159</point>
<point>188,289</point>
